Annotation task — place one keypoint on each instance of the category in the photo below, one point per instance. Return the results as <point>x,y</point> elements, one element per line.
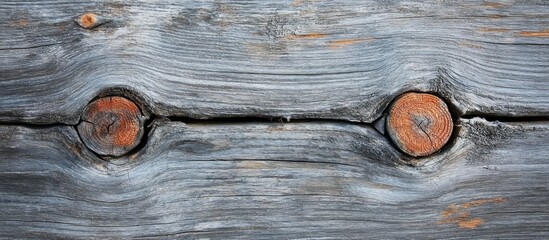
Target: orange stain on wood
<point>23,22</point>
<point>307,36</point>
<point>493,30</point>
<point>458,213</point>
<point>254,165</point>
<point>493,5</point>
<point>88,20</point>
<point>467,44</point>
<point>334,44</point>
<point>470,224</point>
<point>453,208</point>
<point>543,33</point>
<point>297,3</point>
<point>483,201</point>
<point>133,156</point>
<point>496,16</point>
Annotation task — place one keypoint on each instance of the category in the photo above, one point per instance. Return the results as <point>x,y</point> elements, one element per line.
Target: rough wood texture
<point>419,124</point>
<point>261,180</point>
<point>337,60</point>
<point>290,59</point>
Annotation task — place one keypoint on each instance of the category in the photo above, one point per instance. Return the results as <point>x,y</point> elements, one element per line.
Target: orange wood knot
<point>111,126</point>
<point>90,20</point>
<point>419,123</point>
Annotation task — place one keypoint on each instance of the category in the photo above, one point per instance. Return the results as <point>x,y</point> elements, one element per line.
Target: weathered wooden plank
<point>295,59</point>
<point>269,180</point>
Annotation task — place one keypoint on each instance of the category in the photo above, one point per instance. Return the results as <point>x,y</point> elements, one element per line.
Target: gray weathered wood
<point>304,59</point>
<point>294,59</point>
<point>272,180</point>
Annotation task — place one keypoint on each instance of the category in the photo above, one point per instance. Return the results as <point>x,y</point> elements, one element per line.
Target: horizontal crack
<point>257,120</point>
<point>498,118</point>
<point>489,118</point>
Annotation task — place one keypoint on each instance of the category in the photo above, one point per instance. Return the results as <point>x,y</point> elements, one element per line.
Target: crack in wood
<point>422,128</point>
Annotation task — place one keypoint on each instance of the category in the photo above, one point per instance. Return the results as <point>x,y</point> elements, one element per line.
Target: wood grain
<point>311,59</point>
<point>302,59</point>
<point>270,180</point>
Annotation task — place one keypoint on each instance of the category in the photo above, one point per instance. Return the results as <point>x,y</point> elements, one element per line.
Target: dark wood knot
<point>419,123</point>
<point>111,126</point>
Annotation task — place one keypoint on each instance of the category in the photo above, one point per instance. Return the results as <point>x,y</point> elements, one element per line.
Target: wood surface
<point>265,119</point>
<point>271,180</point>
<point>294,59</point>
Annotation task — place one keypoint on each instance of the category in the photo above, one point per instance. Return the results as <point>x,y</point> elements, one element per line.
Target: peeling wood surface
<point>293,59</point>
<point>341,61</point>
<point>268,180</point>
